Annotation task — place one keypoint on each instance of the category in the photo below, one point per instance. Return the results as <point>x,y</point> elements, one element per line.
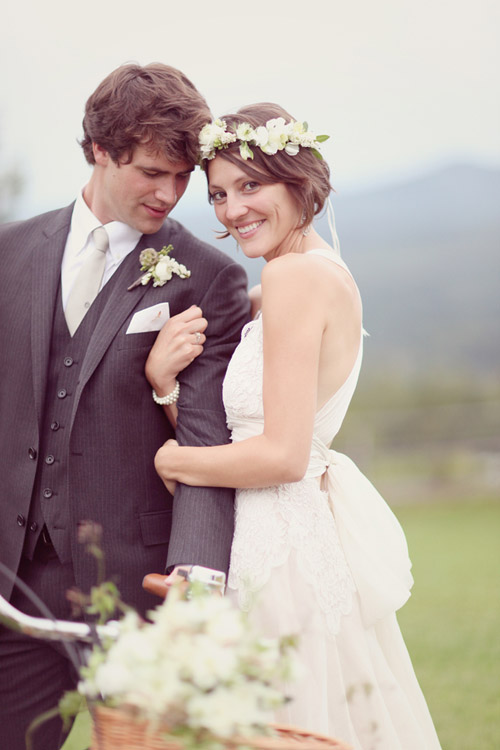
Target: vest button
<point>55,426</point>
<point>32,453</point>
<point>68,361</point>
<point>50,459</point>
<point>21,521</point>
<point>33,526</point>
<point>47,493</point>
<point>62,393</point>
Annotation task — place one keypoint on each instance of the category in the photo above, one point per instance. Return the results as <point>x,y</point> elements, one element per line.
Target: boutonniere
<point>159,266</point>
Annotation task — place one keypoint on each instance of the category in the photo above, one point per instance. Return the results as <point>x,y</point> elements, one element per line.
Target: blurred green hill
<point>426,255</point>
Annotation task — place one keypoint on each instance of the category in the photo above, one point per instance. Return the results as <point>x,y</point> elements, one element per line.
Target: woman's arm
<point>176,346</point>
<point>294,319</point>
<point>255,295</point>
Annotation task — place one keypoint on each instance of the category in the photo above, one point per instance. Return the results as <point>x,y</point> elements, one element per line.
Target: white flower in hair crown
<point>159,267</point>
<point>276,135</point>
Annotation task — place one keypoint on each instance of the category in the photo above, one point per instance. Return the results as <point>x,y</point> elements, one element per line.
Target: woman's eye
<point>249,186</point>
<point>217,197</point>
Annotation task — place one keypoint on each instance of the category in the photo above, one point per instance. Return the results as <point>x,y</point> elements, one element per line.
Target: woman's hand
<point>178,343</point>
<point>162,464</point>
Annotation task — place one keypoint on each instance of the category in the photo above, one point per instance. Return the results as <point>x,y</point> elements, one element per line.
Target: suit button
<point>47,493</point>
<point>21,521</point>
<point>50,460</point>
<point>32,453</point>
<point>55,426</point>
<point>33,526</point>
<point>68,361</point>
<point>62,393</point>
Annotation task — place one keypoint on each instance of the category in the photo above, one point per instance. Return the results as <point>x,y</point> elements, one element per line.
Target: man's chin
<point>152,225</point>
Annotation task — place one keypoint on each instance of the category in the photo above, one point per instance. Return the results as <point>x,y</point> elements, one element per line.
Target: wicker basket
<point>116,730</point>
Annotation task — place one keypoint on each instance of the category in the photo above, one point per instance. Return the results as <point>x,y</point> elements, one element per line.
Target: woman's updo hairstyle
<point>306,176</point>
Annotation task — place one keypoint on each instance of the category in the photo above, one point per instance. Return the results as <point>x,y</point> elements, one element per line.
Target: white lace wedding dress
<point>330,565</point>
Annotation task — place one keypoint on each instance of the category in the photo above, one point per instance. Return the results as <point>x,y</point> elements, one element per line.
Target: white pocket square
<point>150,319</point>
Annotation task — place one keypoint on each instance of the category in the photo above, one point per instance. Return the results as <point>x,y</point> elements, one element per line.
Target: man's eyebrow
<point>157,170</point>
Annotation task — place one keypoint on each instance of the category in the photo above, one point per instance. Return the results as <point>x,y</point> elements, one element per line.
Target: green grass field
<point>451,623</point>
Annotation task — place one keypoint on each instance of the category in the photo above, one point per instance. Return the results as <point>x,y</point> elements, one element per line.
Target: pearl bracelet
<point>170,398</point>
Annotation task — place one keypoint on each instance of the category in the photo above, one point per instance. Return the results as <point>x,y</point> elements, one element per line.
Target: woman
<point>316,550</point>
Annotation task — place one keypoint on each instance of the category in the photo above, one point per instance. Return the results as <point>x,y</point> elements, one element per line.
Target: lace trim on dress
<point>242,387</point>
<point>270,522</point>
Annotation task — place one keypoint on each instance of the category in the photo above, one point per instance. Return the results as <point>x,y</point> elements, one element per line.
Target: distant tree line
<point>11,186</point>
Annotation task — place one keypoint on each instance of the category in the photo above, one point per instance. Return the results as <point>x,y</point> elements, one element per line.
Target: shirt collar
<point>122,237</point>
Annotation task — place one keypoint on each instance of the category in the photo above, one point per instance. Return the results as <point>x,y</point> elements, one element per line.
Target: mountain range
<point>426,257</point>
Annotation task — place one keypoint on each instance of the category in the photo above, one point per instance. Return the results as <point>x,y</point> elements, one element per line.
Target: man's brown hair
<point>156,106</point>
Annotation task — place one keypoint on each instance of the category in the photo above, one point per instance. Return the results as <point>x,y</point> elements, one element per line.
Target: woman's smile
<point>246,229</point>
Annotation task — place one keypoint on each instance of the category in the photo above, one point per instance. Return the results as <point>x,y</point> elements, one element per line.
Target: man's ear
<point>101,156</point>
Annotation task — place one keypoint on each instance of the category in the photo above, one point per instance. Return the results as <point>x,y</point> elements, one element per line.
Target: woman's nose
<point>235,208</point>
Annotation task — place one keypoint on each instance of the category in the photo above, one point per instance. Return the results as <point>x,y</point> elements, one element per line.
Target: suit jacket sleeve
<point>203,517</point>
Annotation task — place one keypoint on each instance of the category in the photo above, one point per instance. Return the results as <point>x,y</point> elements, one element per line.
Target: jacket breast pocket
<point>143,340</point>
<point>155,527</point>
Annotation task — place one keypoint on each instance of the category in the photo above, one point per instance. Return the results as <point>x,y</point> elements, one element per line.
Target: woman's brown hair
<point>306,176</point>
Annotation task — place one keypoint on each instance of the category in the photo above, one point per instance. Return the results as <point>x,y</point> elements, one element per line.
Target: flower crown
<point>272,137</point>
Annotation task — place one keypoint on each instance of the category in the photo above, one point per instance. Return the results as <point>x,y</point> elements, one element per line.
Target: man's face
<point>141,193</point>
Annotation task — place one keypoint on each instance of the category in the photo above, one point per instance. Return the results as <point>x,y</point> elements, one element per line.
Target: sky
<point>401,87</point>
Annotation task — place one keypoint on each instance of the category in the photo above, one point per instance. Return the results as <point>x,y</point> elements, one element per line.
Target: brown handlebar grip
<point>155,584</point>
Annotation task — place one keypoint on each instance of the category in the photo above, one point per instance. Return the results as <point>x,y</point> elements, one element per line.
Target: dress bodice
<point>242,390</point>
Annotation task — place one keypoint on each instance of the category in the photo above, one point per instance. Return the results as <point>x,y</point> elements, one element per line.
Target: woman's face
<point>263,218</point>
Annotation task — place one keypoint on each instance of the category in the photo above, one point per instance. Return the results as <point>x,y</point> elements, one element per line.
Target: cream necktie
<point>88,281</point>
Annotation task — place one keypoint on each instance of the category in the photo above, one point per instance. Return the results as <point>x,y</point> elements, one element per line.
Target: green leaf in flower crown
<point>316,153</point>
<point>245,151</point>
<point>321,138</point>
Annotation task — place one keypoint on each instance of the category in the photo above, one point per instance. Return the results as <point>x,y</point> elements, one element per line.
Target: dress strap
<point>335,258</point>
<point>330,255</point>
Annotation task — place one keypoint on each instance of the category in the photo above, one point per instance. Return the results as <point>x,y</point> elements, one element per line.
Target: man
<point>79,426</point>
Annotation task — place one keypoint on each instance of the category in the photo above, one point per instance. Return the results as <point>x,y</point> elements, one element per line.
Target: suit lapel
<point>46,272</point>
<point>119,306</point>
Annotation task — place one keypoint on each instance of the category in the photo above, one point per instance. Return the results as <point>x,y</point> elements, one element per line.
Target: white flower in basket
<point>197,667</point>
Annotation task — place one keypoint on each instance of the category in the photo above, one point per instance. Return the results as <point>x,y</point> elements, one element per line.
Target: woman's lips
<point>249,229</point>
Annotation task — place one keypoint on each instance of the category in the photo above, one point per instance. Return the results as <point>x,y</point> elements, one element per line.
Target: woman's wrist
<point>158,377</point>
<point>164,387</point>
<point>168,399</point>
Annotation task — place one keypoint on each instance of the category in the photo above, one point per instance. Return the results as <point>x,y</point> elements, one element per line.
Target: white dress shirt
<point>122,240</point>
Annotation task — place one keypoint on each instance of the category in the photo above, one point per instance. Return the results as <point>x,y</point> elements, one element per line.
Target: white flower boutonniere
<point>159,266</point>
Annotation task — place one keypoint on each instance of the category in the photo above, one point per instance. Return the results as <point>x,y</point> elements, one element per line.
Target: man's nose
<point>166,192</point>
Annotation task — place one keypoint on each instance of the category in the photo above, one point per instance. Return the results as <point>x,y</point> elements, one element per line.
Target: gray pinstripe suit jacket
<point>115,427</point>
